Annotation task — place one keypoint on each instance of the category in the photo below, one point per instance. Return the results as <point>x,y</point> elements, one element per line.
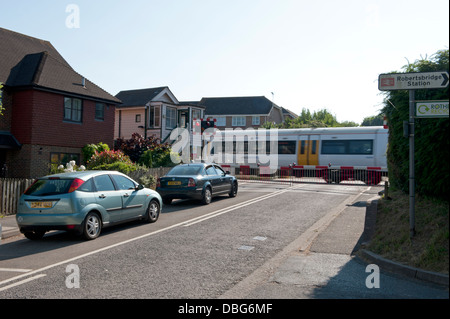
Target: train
<point>334,146</point>
<point>351,148</point>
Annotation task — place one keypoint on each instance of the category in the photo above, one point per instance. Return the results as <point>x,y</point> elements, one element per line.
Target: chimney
<point>83,82</point>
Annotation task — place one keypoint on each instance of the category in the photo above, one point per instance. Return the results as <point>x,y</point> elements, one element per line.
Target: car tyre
<point>153,211</point>
<point>207,196</point>
<point>35,234</point>
<point>234,189</point>
<point>92,226</point>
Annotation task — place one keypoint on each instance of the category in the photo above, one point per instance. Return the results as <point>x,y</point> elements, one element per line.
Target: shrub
<point>157,157</point>
<point>148,181</point>
<point>148,151</point>
<point>108,157</point>
<point>90,149</point>
<point>117,166</point>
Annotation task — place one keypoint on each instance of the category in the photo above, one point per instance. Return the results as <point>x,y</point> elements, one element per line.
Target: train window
<point>354,147</point>
<point>314,147</point>
<point>302,147</point>
<point>286,147</point>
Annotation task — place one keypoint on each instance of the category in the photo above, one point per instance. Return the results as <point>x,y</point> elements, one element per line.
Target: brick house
<point>153,111</point>
<point>242,112</point>
<point>50,111</point>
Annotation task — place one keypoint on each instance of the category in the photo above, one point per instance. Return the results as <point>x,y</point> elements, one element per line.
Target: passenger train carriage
<point>351,148</point>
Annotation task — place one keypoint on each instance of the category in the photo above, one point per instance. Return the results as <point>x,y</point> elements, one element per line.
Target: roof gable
<point>27,61</point>
<point>141,97</point>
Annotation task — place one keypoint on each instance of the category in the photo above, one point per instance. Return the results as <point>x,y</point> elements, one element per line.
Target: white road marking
<point>15,269</point>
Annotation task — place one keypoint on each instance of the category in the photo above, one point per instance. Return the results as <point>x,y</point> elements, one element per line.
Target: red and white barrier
<point>311,174</point>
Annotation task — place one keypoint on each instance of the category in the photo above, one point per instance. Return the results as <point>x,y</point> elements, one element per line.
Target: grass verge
<point>429,248</point>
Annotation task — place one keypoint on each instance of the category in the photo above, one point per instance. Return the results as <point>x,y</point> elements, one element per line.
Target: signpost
<point>411,82</point>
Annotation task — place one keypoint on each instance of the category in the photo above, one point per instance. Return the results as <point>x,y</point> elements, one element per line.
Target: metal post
<point>412,185</point>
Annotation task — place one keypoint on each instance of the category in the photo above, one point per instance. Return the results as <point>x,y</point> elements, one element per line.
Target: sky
<point>301,54</point>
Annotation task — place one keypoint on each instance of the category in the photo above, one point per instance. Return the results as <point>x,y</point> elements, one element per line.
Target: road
<point>233,248</point>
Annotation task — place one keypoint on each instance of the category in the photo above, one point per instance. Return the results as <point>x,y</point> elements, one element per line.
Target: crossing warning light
<point>208,123</point>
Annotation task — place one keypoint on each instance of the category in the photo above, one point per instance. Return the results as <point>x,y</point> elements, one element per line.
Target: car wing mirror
<point>139,187</point>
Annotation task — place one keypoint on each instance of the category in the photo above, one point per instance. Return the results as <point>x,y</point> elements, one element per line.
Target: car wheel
<point>35,234</point>
<point>92,226</point>
<point>207,196</point>
<point>234,189</point>
<point>153,211</point>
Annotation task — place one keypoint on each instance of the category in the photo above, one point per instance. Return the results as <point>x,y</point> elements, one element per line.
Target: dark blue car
<point>200,181</point>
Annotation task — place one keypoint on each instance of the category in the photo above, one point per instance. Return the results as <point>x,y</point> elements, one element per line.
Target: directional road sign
<point>432,109</point>
<point>412,81</point>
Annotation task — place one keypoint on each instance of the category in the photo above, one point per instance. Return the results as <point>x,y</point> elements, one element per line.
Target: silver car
<point>84,202</point>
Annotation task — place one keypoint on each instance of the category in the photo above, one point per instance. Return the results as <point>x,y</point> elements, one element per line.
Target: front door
<point>183,118</point>
<point>308,150</point>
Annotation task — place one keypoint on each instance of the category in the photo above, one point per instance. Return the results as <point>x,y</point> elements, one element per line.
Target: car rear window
<point>43,187</point>
<point>184,170</point>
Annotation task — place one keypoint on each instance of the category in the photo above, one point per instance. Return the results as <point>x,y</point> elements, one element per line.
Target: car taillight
<point>191,182</point>
<point>158,182</point>
<point>75,184</point>
<point>30,186</point>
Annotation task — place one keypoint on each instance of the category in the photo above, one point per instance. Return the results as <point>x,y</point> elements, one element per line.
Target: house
<point>153,111</point>
<point>242,112</point>
<point>50,111</point>
<point>288,114</point>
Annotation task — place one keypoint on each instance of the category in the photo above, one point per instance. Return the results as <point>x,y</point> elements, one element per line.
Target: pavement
<point>344,240</point>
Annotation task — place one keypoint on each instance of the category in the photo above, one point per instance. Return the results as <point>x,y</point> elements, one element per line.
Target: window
<point>255,120</point>
<point>87,186</point>
<point>103,183</point>
<point>196,114</point>
<point>123,183</point>
<point>221,121</point>
<point>355,147</point>
<point>99,111</point>
<point>138,118</point>
<point>171,117</point>
<point>44,187</point>
<point>211,171</point>
<point>286,147</point>
<point>184,170</point>
<point>64,158</point>
<point>238,121</point>
<point>155,116</point>
<point>220,170</point>
<point>73,110</point>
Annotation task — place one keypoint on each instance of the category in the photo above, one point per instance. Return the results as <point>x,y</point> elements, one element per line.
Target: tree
<point>431,135</point>
<point>321,118</point>
<point>376,120</point>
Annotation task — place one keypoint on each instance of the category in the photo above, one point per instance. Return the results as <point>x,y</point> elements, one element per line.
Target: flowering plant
<point>70,167</point>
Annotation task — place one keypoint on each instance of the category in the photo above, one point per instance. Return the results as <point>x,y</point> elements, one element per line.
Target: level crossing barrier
<point>347,175</point>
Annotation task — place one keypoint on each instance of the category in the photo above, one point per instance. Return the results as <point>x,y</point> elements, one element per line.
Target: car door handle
<point>126,195</point>
<point>102,196</point>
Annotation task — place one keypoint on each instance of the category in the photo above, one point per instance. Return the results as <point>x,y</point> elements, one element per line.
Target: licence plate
<point>41,205</point>
<point>174,183</point>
